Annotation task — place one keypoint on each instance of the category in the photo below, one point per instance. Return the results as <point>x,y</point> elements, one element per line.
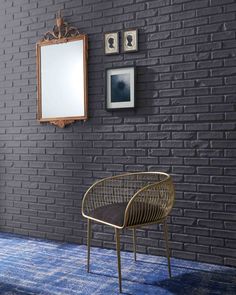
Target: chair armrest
<point>151,203</point>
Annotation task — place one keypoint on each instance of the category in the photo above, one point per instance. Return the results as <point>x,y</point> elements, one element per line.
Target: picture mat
<point>115,38</point>
<point>134,41</point>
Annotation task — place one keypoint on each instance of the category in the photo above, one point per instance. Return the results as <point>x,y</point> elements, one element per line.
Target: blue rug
<point>32,266</point>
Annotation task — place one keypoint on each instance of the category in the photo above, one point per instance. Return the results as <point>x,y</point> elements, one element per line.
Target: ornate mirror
<point>62,75</point>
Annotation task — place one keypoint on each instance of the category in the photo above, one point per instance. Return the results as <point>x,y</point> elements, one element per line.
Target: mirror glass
<point>62,80</point>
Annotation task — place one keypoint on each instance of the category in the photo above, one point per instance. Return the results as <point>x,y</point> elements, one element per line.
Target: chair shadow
<point>201,282</point>
<point>195,282</point>
<point>6,288</point>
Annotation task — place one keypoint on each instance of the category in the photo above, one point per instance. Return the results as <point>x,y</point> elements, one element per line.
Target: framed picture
<point>120,88</point>
<point>130,40</point>
<point>111,43</point>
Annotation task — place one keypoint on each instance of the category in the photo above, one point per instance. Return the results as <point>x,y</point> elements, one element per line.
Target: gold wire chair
<point>128,201</point>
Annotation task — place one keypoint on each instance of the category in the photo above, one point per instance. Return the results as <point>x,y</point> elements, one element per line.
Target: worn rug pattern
<point>32,266</point>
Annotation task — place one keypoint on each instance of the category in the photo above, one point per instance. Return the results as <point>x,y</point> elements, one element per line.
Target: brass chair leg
<point>134,243</point>
<point>88,243</point>
<point>167,247</point>
<point>118,257</point>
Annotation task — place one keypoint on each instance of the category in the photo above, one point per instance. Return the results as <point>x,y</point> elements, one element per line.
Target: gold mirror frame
<point>61,33</point>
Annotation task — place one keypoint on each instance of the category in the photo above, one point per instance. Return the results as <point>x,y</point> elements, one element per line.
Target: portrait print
<point>130,40</point>
<point>120,88</point>
<point>111,43</point>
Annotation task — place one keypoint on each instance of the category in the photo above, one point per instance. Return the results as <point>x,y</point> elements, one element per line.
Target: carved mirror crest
<point>62,75</point>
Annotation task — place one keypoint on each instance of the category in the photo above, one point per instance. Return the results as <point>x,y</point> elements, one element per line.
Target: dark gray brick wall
<point>184,123</point>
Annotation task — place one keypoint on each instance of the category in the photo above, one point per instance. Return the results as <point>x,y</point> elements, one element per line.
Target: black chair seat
<point>114,213</point>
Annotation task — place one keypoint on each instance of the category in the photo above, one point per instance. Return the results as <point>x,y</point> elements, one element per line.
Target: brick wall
<point>184,123</point>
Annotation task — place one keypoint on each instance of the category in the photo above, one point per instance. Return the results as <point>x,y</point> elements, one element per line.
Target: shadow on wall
<point>146,96</point>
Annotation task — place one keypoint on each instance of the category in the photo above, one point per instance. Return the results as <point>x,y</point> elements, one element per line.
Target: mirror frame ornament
<point>61,33</point>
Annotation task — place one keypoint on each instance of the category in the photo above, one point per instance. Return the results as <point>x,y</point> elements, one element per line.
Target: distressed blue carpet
<point>33,266</point>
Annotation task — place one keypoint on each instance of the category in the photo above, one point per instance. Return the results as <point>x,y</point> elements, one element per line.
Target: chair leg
<point>117,232</point>
<point>88,243</point>
<point>134,243</point>
<point>167,246</point>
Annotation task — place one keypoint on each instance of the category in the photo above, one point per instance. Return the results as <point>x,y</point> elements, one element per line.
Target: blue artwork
<point>33,266</point>
<point>120,88</point>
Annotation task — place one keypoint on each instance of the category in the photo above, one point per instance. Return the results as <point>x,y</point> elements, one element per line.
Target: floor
<point>32,266</point>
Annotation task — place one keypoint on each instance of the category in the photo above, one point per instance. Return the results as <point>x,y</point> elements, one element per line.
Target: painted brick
<point>184,123</point>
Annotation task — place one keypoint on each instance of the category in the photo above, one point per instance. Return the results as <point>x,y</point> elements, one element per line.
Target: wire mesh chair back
<point>149,196</point>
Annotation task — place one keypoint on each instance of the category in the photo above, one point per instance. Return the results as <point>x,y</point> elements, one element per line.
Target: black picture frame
<point>120,88</point>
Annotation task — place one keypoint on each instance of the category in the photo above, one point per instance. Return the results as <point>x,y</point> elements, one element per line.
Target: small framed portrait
<point>111,43</point>
<point>130,40</point>
<point>120,88</point>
